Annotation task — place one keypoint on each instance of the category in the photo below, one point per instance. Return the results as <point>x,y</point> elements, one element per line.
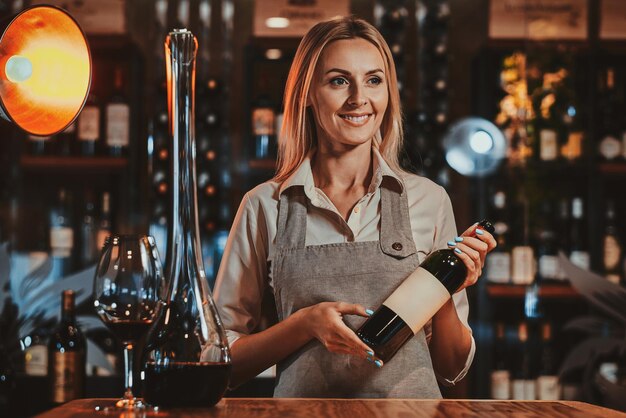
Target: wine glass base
<point>125,404</point>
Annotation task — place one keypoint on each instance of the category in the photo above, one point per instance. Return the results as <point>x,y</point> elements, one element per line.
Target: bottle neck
<point>68,312</point>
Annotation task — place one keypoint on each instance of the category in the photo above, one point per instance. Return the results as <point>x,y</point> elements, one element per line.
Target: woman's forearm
<point>450,343</point>
<point>252,354</point>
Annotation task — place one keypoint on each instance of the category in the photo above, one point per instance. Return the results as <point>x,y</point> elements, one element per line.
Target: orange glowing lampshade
<point>45,70</point>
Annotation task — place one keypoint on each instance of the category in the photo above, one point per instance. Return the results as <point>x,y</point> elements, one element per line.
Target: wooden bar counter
<point>348,408</point>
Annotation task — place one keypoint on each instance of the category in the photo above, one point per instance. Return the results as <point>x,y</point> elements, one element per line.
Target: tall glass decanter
<point>188,359</point>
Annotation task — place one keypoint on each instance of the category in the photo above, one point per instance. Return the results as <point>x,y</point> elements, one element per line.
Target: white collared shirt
<point>244,275</point>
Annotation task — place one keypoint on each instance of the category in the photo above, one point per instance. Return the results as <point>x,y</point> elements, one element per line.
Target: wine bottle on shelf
<point>612,249</point>
<point>67,351</point>
<point>523,263</point>
<point>61,236</point>
<point>415,301</point>
<point>39,145</point>
<point>88,133</point>
<point>88,245</point>
<point>105,223</point>
<point>562,231</point>
<point>579,253</point>
<point>65,140</point>
<point>498,266</point>
<point>500,374</point>
<point>547,254</point>
<point>263,124</point>
<point>548,388</point>
<point>117,114</point>
<point>523,384</point>
<point>610,146</point>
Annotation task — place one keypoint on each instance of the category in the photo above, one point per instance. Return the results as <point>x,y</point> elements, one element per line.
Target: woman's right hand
<point>324,322</point>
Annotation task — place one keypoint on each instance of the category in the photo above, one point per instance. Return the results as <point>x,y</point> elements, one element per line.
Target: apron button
<point>396,246</point>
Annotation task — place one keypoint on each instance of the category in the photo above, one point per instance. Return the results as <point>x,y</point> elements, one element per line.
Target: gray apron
<point>353,272</point>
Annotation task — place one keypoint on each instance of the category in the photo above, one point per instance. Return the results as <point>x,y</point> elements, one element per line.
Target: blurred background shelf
<point>551,291</point>
<point>74,164</point>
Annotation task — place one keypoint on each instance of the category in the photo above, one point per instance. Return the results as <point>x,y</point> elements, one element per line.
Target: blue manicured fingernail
<point>451,243</point>
<point>369,312</point>
<point>369,352</point>
<point>456,250</point>
<point>369,359</point>
<point>378,363</point>
<point>459,239</point>
<point>479,231</point>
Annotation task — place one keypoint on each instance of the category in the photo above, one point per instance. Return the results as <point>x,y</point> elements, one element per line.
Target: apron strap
<point>396,238</point>
<point>292,212</point>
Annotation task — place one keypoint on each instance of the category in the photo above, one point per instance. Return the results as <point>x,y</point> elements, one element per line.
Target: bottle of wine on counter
<point>500,374</point>
<point>523,384</point>
<point>67,355</point>
<point>548,388</point>
<point>415,301</point>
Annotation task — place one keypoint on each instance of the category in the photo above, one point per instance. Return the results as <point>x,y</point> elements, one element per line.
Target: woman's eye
<point>339,81</point>
<point>375,80</point>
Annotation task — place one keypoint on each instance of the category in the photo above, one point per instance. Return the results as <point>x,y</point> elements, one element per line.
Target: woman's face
<point>348,94</point>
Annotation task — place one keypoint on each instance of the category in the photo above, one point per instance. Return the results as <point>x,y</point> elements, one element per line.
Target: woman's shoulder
<point>264,193</point>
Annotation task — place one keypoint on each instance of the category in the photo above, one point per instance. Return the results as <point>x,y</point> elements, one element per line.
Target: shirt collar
<point>303,176</point>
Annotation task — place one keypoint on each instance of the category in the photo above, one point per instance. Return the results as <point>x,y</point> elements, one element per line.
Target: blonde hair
<point>297,135</point>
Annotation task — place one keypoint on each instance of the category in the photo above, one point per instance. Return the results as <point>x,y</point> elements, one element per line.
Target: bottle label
<point>548,388</point>
<point>61,238</point>
<point>67,376</point>
<point>549,267</point>
<point>548,145</point>
<point>610,147</point>
<point>523,271</point>
<point>418,298</point>
<point>263,121</point>
<point>500,384</point>
<point>613,278</point>
<point>523,390</point>
<point>580,259</point>
<point>612,252</point>
<point>89,124</point>
<point>36,360</point>
<point>499,267</point>
<point>118,117</point>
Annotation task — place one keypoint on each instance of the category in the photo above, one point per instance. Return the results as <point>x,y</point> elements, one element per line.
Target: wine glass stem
<point>128,371</point>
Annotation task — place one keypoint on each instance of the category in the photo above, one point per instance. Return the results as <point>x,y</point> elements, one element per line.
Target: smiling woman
<point>337,230</point>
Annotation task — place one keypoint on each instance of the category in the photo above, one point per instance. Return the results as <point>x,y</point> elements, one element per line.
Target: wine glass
<point>128,294</point>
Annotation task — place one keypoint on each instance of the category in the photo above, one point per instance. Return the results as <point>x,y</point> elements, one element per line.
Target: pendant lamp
<point>45,70</point>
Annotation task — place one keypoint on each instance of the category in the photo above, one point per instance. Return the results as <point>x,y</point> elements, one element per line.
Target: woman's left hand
<point>472,247</point>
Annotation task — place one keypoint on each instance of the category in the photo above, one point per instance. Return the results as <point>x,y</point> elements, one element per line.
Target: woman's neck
<point>342,170</point>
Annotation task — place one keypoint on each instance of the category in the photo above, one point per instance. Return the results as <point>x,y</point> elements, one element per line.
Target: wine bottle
<point>547,254</point>
<point>117,114</point>
<point>67,355</point>
<point>498,265</point>
<point>65,140</point>
<point>39,145</point>
<point>609,146</point>
<point>61,236</point>
<point>104,226</point>
<point>415,301</point>
<point>523,385</point>
<point>579,255</point>
<point>263,123</point>
<point>548,388</point>
<point>500,374</point>
<point>523,255</point>
<point>612,248</point>
<point>35,354</point>
<point>88,248</point>
<point>89,127</point>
